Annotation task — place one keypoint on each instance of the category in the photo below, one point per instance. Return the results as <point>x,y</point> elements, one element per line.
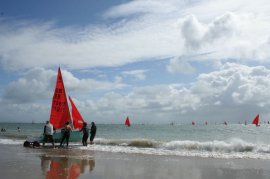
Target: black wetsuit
<point>66,135</point>
<point>85,135</point>
<point>93,132</point>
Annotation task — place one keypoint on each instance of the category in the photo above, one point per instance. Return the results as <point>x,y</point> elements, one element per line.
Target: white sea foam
<point>235,145</point>
<point>140,142</point>
<point>11,141</point>
<point>234,148</point>
<point>186,153</point>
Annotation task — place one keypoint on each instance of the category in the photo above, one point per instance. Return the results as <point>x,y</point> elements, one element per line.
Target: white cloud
<point>34,85</point>
<point>38,84</point>
<point>137,74</point>
<point>86,85</point>
<point>178,65</point>
<point>140,7</point>
<point>233,92</point>
<point>214,30</point>
<point>157,29</point>
<point>234,85</point>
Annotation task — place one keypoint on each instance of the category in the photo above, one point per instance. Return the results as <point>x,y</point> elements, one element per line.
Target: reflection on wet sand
<point>65,166</point>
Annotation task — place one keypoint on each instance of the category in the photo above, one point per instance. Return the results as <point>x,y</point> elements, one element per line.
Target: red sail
<point>59,111</point>
<point>76,116</point>
<point>127,123</point>
<point>256,120</point>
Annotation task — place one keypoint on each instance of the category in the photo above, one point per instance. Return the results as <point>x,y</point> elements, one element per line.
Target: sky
<point>155,61</point>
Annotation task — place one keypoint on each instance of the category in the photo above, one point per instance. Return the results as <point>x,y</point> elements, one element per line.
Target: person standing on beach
<point>66,134</point>
<point>48,133</point>
<point>93,132</point>
<point>85,130</point>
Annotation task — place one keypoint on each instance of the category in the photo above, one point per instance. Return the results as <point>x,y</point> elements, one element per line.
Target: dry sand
<point>18,162</point>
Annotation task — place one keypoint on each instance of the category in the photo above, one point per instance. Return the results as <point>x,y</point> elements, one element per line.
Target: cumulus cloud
<point>37,84</point>
<point>235,85</point>
<point>234,92</point>
<point>179,65</point>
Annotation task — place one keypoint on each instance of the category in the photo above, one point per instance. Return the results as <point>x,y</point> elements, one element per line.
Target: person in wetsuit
<point>66,134</point>
<point>85,131</point>
<point>93,132</point>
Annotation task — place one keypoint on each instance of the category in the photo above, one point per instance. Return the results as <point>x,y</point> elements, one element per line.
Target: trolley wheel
<point>36,144</point>
<point>26,144</point>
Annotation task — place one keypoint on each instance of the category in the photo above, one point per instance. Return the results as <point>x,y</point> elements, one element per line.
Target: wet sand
<point>19,162</point>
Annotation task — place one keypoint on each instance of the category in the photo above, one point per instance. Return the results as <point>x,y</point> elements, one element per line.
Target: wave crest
<point>235,145</point>
<point>129,142</point>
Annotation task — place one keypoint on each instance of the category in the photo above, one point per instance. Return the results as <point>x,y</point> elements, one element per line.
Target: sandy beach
<point>19,162</point>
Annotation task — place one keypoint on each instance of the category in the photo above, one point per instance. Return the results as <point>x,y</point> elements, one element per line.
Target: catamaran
<point>60,114</point>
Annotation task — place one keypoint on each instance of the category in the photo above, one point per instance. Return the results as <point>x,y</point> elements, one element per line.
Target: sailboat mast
<point>71,118</point>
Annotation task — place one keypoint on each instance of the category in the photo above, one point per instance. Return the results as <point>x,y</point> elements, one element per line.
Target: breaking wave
<point>11,141</point>
<point>129,142</point>
<point>234,148</point>
<point>234,145</point>
<point>214,146</point>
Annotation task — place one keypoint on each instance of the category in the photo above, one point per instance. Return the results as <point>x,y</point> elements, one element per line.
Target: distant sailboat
<point>127,122</point>
<point>256,120</point>
<point>193,123</point>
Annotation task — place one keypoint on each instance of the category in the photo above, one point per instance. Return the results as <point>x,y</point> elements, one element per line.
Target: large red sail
<point>127,122</point>
<point>76,116</point>
<point>59,111</point>
<point>256,120</point>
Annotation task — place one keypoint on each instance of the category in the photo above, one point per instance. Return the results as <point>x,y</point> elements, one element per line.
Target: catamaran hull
<point>75,136</point>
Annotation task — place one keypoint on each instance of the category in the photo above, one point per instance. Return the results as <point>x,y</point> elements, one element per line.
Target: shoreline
<point>19,162</point>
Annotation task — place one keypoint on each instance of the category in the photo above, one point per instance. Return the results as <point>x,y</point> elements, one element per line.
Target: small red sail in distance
<point>59,110</point>
<point>76,116</point>
<point>256,120</point>
<point>127,122</point>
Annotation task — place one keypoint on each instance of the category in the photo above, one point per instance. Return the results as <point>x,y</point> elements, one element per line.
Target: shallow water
<point>218,141</point>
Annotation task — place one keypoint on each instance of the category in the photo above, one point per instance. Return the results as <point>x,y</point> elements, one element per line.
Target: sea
<point>232,141</point>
